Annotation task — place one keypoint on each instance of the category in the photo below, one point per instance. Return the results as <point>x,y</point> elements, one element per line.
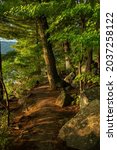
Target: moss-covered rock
<point>83,131</point>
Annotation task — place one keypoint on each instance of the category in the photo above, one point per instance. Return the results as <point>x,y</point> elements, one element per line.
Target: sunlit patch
<point>92,124</point>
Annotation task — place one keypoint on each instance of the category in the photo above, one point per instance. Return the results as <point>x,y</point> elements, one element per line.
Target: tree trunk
<point>89,60</point>
<point>49,58</point>
<point>79,72</point>
<point>66,48</point>
<point>37,43</point>
<point>98,59</point>
<point>1,86</point>
<point>7,102</point>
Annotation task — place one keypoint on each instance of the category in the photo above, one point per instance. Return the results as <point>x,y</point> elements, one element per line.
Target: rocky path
<point>36,126</point>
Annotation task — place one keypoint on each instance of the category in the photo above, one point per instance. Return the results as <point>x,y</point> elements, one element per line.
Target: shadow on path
<point>37,128</point>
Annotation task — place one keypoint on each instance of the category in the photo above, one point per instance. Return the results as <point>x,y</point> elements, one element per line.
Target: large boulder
<point>64,99</point>
<point>83,131</point>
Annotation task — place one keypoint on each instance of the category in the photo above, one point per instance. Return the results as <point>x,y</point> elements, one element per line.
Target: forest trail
<point>37,127</point>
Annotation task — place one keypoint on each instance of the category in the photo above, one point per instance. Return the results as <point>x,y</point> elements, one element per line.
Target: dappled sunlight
<point>41,120</point>
<point>49,73</point>
<point>90,124</point>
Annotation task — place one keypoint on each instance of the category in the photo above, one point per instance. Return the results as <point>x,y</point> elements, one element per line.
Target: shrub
<point>4,131</point>
<point>87,78</point>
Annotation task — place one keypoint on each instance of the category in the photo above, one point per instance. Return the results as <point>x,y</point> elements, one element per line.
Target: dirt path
<point>37,127</point>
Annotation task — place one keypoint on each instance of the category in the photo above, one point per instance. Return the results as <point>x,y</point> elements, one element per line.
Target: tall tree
<point>53,76</point>
<point>36,11</point>
<point>54,23</point>
<point>80,24</point>
<point>89,60</point>
<point>66,47</point>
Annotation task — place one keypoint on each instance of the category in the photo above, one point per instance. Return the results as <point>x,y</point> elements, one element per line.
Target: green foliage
<point>4,132</point>
<point>88,77</point>
<point>80,10</point>
<point>77,99</point>
<point>21,68</point>
<point>78,23</point>
<point>33,10</point>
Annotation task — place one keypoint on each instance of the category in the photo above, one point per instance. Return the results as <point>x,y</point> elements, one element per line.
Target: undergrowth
<point>4,131</point>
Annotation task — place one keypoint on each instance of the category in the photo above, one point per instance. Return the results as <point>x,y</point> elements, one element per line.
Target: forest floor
<point>36,125</point>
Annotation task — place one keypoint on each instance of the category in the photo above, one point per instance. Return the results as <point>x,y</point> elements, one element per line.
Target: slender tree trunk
<point>98,59</point>
<point>66,48</point>
<point>53,76</point>
<point>89,61</point>
<point>7,102</point>
<point>37,43</point>
<point>37,31</point>
<point>79,72</point>
<point>1,86</point>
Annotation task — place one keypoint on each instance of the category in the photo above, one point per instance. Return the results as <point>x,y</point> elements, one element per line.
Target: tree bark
<point>49,58</point>
<point>66,48</point>
<point>89,60</point>
<point>80,82</point>
<point>7,102</point>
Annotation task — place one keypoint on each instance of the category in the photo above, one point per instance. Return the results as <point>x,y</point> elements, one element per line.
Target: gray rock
<point>83,131</point>
<point>64,99</point>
